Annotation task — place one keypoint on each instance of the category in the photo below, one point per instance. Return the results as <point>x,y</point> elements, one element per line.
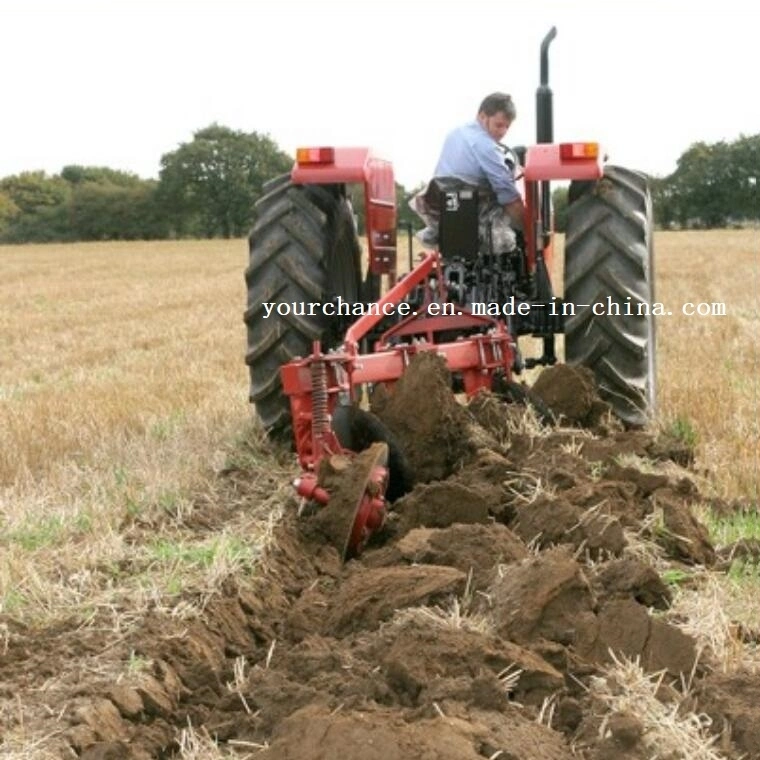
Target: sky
<point>120,83</point>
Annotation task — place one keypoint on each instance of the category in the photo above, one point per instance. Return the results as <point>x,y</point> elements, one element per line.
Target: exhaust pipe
<point>545,134</point>
<point>544,109</point>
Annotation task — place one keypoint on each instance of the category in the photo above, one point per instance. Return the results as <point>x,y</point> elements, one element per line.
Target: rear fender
<point>359,165</point>
<point>544,162</point>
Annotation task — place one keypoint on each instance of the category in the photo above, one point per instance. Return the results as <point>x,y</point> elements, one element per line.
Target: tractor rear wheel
<point>303,248</point>
<point>609,255</point>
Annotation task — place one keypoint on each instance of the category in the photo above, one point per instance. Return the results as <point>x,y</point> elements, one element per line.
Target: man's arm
<point>516,213</point>
<point>491,161</point>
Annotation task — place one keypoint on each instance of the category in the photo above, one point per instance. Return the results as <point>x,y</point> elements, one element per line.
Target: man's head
<point>496,113</point>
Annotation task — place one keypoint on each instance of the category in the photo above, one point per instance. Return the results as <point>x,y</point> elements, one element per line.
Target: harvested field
<point>537,595</point>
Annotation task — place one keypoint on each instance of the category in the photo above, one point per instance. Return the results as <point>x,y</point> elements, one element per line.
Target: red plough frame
<point>315,383</point>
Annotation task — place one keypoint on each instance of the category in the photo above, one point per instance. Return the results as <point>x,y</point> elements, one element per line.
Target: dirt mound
<point>455,653</point>
<point>474,625</point>
<point>460,546</point>
<point>630,577</point>
<point>369,596</point>
<point>685,536</point>
<point>315,733</point>
<point>493,415</point>
<point>732,700</point>
<point>434,431</point>
<point>438,505</point>
<point>571,394</point>
<point>548,522</point>
<point>625,628</point>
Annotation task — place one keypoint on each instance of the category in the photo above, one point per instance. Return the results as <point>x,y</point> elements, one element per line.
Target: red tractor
<point>319,331</point>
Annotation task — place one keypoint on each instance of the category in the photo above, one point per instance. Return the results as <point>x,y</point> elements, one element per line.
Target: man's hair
<point>498,102</point>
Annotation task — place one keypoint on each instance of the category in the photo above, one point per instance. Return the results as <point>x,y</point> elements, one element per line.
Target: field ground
<point>123,412</point>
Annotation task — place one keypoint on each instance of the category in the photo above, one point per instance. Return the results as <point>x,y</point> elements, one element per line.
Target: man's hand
<point>516,213</point>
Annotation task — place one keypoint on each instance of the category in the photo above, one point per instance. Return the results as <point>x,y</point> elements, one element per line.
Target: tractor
<point>320,331</point>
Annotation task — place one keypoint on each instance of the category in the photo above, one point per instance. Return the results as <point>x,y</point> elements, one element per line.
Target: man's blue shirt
<point>471,154</point>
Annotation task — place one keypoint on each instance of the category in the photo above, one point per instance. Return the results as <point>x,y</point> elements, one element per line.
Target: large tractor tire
<point>609,253</point>
<point>303,248</point>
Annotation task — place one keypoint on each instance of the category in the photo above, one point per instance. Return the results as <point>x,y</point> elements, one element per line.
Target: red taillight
<point>315,155</point>
<point>578,151</point>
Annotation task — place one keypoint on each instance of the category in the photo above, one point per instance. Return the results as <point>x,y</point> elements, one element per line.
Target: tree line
<point>714,185</point>
<point>207,187</point>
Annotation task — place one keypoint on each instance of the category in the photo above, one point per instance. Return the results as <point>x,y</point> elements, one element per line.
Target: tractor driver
<point>474,154</point>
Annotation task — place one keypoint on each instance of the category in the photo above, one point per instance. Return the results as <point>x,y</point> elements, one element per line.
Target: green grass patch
<point>683,430</point>
<point>44,532</point>
<point>170,552</point>
<point>727,529</point>
<point>171,502</point>
<point>251,450</point>
<point>137,664</point>
<point>136,501</point>
<point>164,428</point>
<point>744,570</point>
<point>176,567</point>
<point>12,601</point>
<point>223,548</point>
<point>47,531</point>
<point>675,577</point>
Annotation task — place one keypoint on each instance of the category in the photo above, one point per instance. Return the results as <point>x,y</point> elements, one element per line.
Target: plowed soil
<point>501,583</point>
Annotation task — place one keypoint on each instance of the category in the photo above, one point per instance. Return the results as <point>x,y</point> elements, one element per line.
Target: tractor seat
<point>470,219</point>
<point>455,205</point>
<point>435,193</point>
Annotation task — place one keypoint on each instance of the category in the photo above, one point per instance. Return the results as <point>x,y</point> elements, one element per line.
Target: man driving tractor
<point>473,153</point>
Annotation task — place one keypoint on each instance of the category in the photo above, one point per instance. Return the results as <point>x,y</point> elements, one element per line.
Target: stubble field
<point>134,484</point>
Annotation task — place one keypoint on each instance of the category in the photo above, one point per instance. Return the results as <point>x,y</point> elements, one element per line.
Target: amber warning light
<point>579,150</point>
<point>315,155</point>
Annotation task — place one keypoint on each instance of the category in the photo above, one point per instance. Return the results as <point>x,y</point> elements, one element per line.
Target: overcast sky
<point>119,83</point>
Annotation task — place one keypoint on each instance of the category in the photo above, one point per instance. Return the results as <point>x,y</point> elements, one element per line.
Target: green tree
<point>698,185</point>
<point>83,203</point>
<point>713,184</point>
<point>745,155</point>
<point>41,207</point>
<point>560,204</point>
<point>405,215</point>
<point>664,202</point>
<point>209,185</point>
<point>31,191</point>
<point>104,211</point>
<point>75,174</point>
<point>8,209</point>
